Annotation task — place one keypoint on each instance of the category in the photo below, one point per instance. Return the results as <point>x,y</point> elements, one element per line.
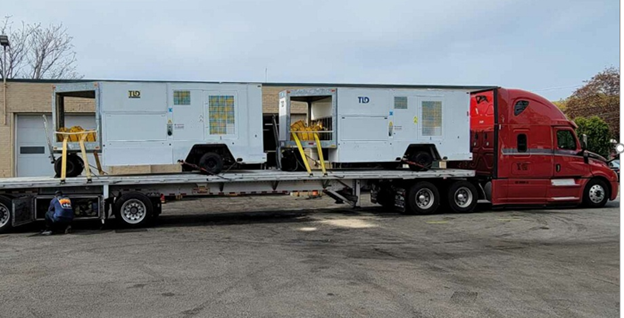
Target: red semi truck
<point>525,152</point>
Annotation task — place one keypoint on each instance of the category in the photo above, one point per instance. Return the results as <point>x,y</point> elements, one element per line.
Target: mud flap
<point>23,210</point>
<point>400,200</point>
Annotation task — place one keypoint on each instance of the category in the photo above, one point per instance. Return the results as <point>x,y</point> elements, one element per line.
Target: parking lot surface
<point>282,256</point>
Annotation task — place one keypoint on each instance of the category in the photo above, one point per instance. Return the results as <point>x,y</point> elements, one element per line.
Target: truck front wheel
<point>423,198</point>
<point>595,194</point>
<point>462,196</point>
<point>133,209</point>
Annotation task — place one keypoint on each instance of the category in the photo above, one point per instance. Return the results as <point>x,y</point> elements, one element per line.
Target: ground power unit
<point>360,126</point>
<point>207,125</point>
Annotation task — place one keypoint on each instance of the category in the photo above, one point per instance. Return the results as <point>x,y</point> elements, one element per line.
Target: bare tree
<point>38,52</point>
<point>16,53</point>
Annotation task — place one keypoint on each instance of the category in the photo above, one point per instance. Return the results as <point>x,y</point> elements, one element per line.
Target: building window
<point>221,114</point>
<point>400,102</point>
<point>522,143</point>
<point>520,106</point>
<point>181,97</point>
<point>32,150</point>
<point>566,140</point>
<point>432,118</point>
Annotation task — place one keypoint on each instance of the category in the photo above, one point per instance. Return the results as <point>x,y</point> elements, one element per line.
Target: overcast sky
<point>547,46</point>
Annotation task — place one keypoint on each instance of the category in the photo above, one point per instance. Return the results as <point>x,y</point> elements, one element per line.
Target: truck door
<point>23,210</point>
<point>529,165</point>
<point>569,166</point>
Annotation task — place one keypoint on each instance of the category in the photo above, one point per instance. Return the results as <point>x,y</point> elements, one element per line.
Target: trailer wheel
<point>211,162</point>
<point>462,196</point>
<point>5,214</point>
<point>423,198</point>
<point>75,166</point>
<point>596,194</point>
<point>422,159</point>
<point>133,209</point>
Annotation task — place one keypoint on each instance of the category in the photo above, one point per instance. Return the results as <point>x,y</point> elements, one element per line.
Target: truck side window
<point>522,143</point>
<point>520,106</point>
<point>565,140</point>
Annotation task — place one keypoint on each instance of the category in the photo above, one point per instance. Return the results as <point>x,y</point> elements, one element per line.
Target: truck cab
<point>526,151</point>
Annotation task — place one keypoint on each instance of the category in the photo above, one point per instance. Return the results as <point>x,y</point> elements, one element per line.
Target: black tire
<point>5,214</point>
<point>462,196</point>
<point>75,166</point>
<point>290,160</point>
<point>133,209</point>
<point>211,162</point>
<point>423,159</point>
<point>429,202</point>
<point>596,194</point>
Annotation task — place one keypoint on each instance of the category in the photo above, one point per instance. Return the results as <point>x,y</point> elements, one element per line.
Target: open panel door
<point>23,210</point>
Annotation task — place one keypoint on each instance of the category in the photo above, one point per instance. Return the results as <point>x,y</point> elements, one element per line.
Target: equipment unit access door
<point>221,115</point>
<point>188,115</point>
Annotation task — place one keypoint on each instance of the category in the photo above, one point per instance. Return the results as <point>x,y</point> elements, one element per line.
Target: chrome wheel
<point>133,211</point>
<point>596,193</point>
<point>463,197</point>
<point>4,215</point>
<point>424,198</point>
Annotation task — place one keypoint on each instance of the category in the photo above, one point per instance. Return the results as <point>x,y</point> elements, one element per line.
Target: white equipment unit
<point>149,123</point>
<point>366,125</point>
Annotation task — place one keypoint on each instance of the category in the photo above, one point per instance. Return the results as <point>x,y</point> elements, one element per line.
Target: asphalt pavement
<point>282,256</point>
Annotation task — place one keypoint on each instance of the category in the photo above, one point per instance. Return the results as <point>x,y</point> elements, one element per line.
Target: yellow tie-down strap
<point>303,156</point>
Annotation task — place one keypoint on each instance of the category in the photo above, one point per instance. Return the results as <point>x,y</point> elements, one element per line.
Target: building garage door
<point>32,157</point>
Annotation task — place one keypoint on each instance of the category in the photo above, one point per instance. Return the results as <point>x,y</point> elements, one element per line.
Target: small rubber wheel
<point>289,160</point>
<point>133,209</point>
<point>422,198</point>
<point>75,166</point>
<point>5,214</point>
<point>596,194</point>
<point>211,162</point>
<point>422,158</point>
<point>462,196</point>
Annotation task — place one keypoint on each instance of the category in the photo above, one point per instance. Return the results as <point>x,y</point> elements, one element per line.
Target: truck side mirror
<point>584,142</point>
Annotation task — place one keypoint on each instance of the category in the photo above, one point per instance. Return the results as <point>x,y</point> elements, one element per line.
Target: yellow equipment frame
<point>83,136</point>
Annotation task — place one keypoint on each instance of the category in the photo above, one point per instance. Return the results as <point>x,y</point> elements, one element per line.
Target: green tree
<point>600,96</point>
<point>597,131</point>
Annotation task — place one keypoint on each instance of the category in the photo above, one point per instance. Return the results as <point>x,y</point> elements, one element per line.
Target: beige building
<point>23,146</point>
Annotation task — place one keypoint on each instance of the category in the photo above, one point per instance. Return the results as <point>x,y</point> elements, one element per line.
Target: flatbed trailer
<point>136,199</point>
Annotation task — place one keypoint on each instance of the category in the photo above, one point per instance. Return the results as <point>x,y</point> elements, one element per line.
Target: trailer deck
<point>240,176</point>
<point>134,199</point>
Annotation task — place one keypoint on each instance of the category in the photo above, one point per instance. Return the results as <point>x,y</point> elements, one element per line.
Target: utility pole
<point>4,41</point>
